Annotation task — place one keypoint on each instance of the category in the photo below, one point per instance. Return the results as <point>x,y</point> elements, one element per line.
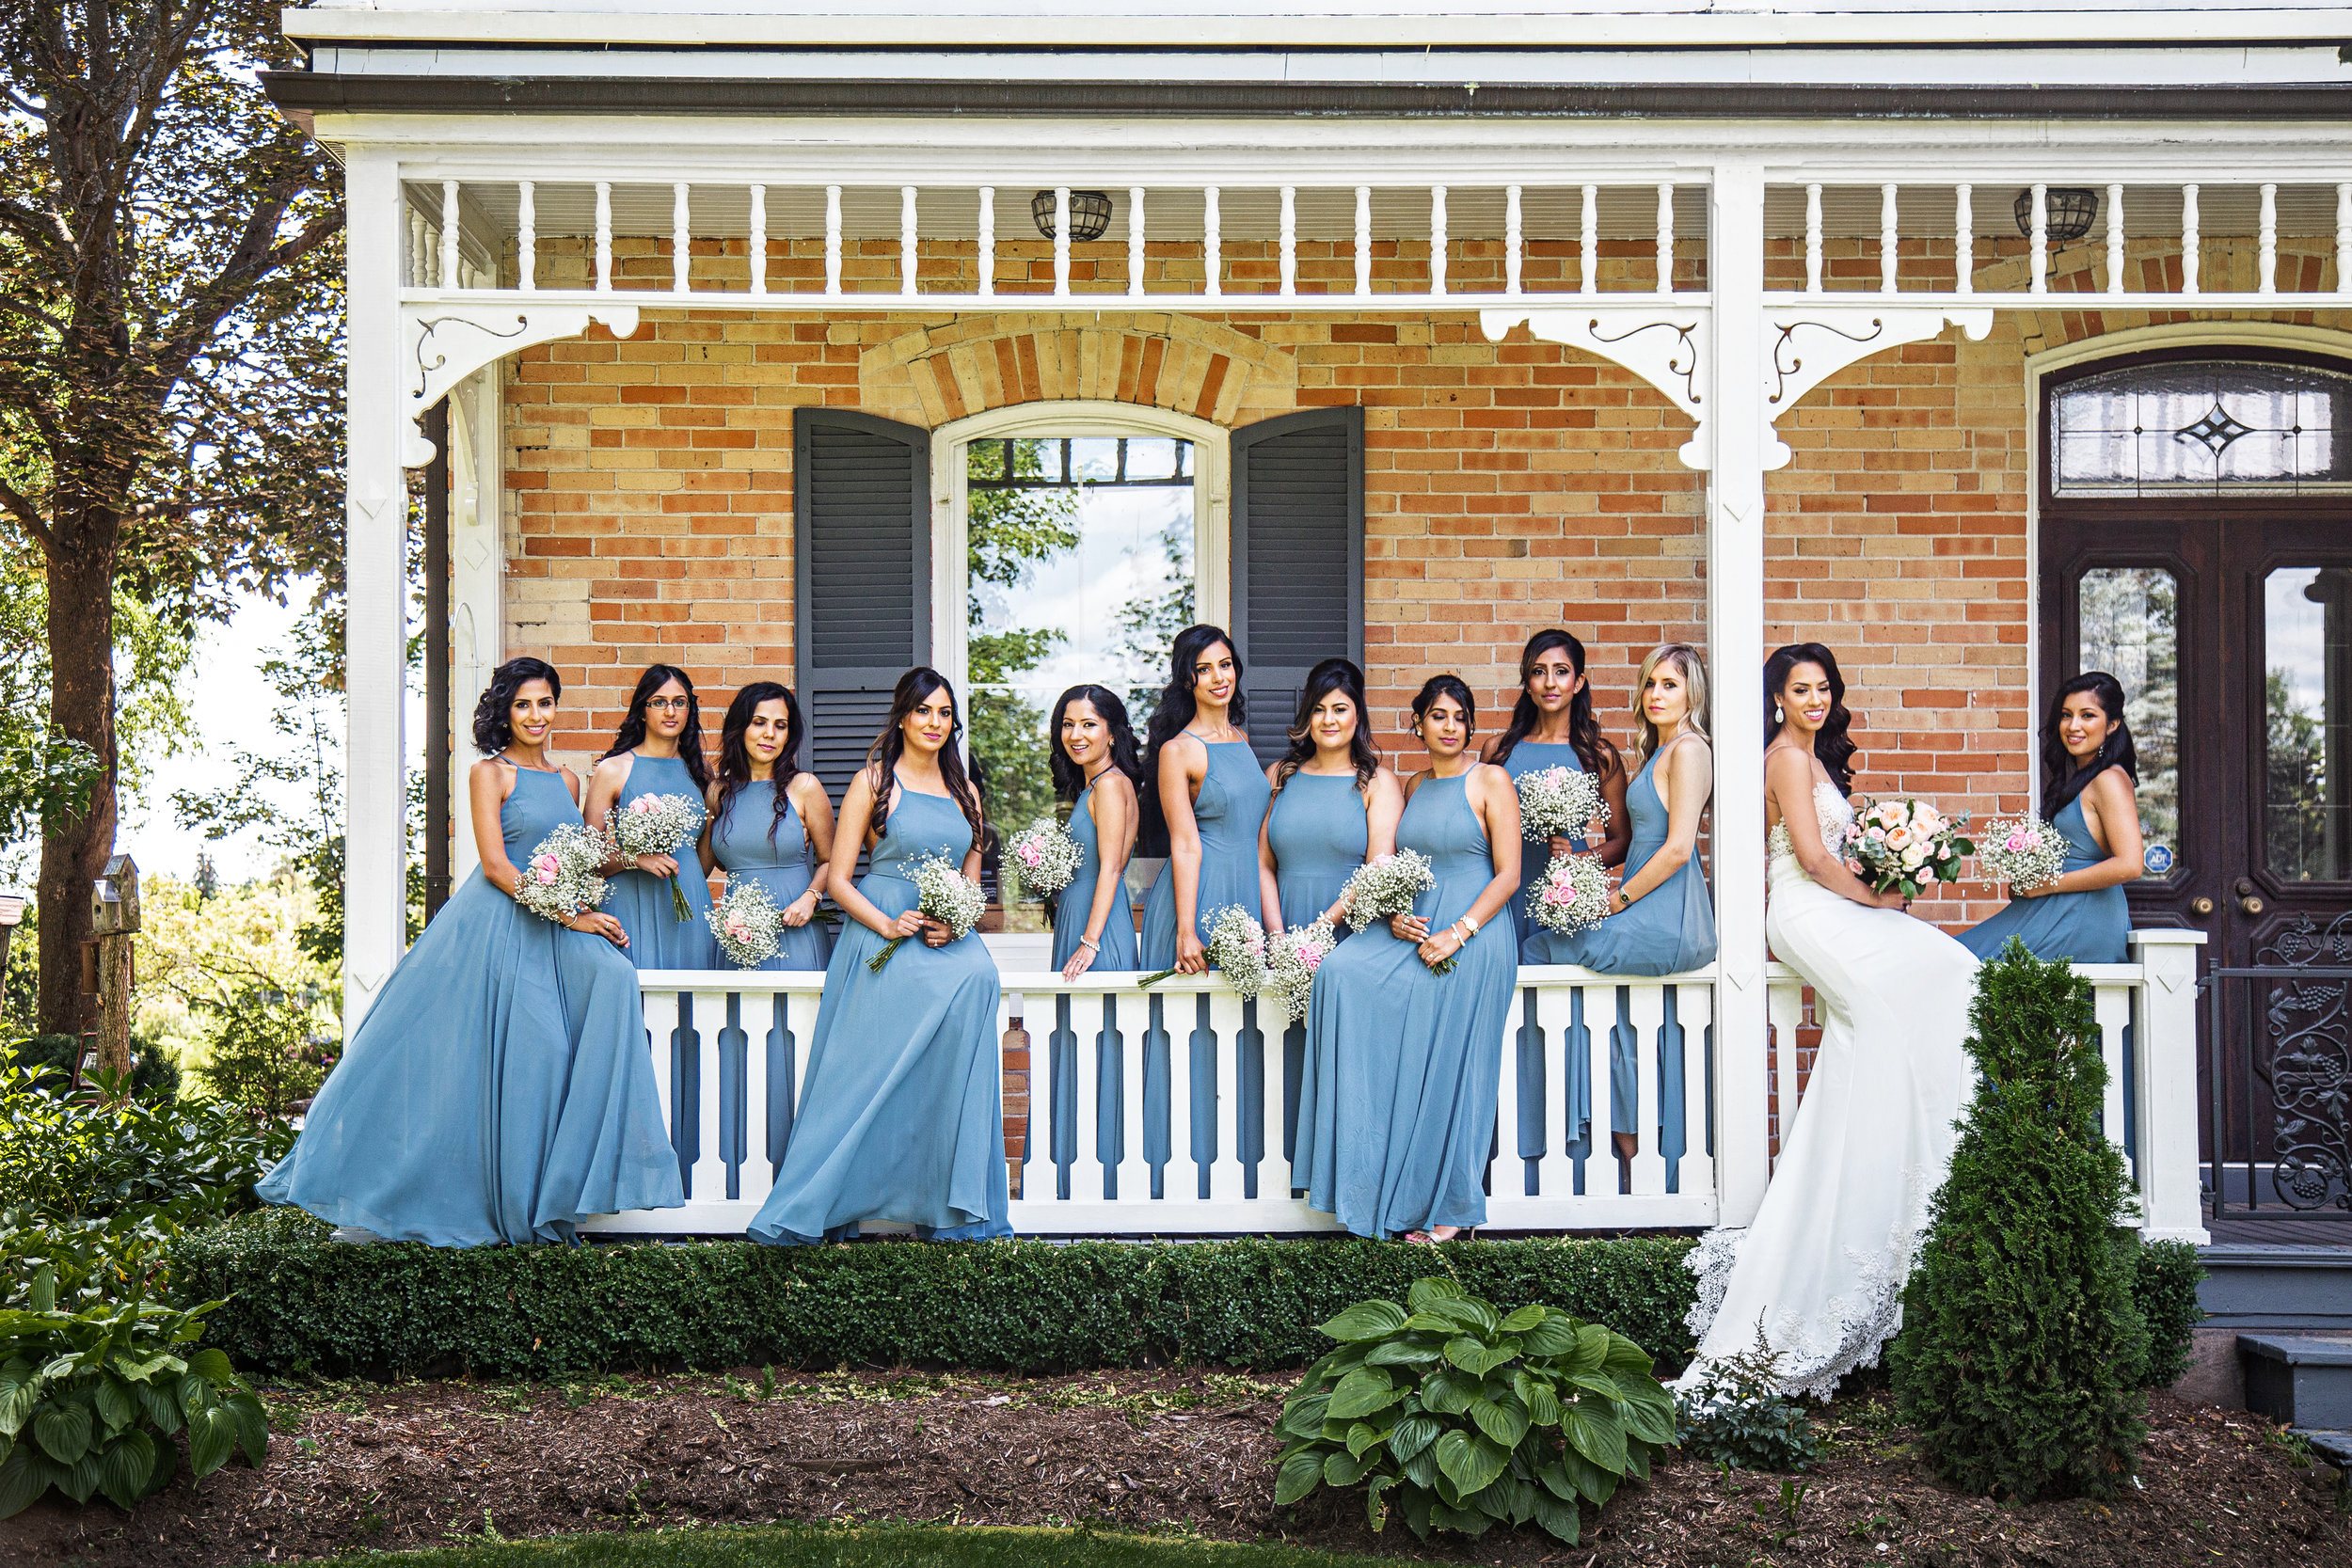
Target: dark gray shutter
<point>862,575</point>
<point>1298,557</point>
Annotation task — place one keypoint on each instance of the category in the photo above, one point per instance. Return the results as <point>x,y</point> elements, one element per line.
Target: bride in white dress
<point>1822,1267</point>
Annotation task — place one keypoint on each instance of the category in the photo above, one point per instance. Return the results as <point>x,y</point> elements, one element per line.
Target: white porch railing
<point>730,1052</point>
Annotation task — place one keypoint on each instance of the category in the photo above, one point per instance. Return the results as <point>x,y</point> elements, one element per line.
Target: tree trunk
<point>73,849</point>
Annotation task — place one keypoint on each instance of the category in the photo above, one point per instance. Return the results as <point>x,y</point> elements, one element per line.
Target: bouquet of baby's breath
<point>1043,856</point>
<point>1571,896</point>
<point>1559,802</point>
<point>2026,852</point>
<point>1292,956</point>
<point>747,923</point>
<point>1237,948</point>
<point>948,896</point>
<point>660,825</point>
<point>1388,886</point>
<point>559,878</point>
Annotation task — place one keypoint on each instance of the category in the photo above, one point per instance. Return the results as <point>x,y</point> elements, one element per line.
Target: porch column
<point>375,634</point>
<point>477,612</point>
<point>1735,643</point>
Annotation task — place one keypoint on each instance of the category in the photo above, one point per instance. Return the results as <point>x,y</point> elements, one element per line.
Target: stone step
<point>2303,1380</point>
<point>2276,1288</point>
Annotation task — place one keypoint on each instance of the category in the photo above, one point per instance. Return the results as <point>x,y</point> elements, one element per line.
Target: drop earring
<point>1778,717</point>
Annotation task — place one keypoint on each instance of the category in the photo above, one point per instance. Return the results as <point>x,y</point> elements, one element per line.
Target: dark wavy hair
<point>1593,749</point>
<point>1172,717</point>
<point>1126,754</point>
<point>631,733</point>
<point>1445,685</point>
<point>493,730</point>
<point>1833,746</point>
<point>889,746</point>
<point>1333,674</point>
<point>2064,779</point>
<point>735,755</point>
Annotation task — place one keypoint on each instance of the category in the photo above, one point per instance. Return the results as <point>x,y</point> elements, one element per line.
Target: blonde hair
<point>1692,666</point>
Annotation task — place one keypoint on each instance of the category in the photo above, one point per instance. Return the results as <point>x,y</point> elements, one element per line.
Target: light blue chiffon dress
<point>499,1089</point>
<point>1534,756</point>
<point>1319,832</point>
<point>1121,951</point>
<point>784,862</point>
<point>658,939</point>
<point>2087,927</point>
<point>902,1118</point>
<point>1230,809</point>
<point>1666,931</point>
<point>1075,905</point>
<point>1397,1114</point>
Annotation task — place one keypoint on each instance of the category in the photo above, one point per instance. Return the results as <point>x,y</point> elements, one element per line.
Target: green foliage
<point>2164,1285</point>
<point>64,1155</point>
<point>2023,1351</point>
<point>300,1303</point>
<point>1738,1417</point>
<point>1462,1419</point>
<point>266,1058</point>
<point>154,1071</point>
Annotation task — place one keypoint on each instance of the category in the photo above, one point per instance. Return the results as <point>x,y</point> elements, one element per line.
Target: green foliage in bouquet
<point>1463,1418</point>
<point>2022,1352</point>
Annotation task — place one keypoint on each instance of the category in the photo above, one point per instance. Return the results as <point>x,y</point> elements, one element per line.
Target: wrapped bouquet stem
<point>948,896</point>
<point>660,825</point>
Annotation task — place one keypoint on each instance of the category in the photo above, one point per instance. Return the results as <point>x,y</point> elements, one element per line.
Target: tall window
<point>2202,425</point>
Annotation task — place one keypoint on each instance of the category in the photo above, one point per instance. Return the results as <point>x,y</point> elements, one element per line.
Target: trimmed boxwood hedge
<point>299,1303</point>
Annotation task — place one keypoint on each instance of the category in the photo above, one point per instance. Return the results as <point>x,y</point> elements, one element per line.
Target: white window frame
<point>951,590</point>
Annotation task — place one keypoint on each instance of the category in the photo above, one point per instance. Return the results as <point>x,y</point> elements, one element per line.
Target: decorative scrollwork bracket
<point>442,344</point>
<point>1655,339</point>
<point>1804,348</point>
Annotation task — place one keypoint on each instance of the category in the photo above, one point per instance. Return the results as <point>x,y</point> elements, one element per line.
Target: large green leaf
<point>1362,1435</point>
<point>116,1406</point>
<point>1592,1348</point>
<point>252,1426</point>
<point>1303,1416</point>
<point>1444,1394</point>
<point>1343,1469</point>
<point>1596,1483</point>
<point>1543,1406</point>
<point>1503,1419</point>
<point>1595,1435</point>
<point>1524,1319</point>
<point>1469,1314</point>
<point>24,1477</point>
<point>1422,1469</point>
<point>1412,1435</point>
<point>212,1365</point>
<point>79,1479</point>
<point>1649,1421</point>
<point>1557,1518</point>
<point>210,1435</point>
<point>1375,1514</point>
<point>17,1403</point>
<point>1366,1320</point>
<point>1467,1352</point>
<point>1554,1336</point>
<point>1410,1351</point>
<point>1362,1393</point>
<point>1301,1473</point>
<point>123,1469</point>
<point>1469,1462</point>
<point>161,1406</point>
<point>1431,1288</point>
<point>44,1295</point>
<point>62,1428</point>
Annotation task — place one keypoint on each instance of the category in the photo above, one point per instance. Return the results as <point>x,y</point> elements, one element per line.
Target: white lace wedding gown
<point>1824,1265</point>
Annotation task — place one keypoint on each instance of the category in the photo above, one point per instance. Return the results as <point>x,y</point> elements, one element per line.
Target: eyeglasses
<point>670,705</point>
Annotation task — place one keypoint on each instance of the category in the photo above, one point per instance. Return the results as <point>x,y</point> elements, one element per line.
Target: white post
<point>756,247</point>
<point>1813,239</point>
<point>1290,241</point>
<point>1134,242</point>
<point>1363,241</point>
<point>988,240</point>
<point>476,620</point>
<point>1436,239</point>
<point>1890,239</point>
<point>526,239</point>
<point>833,239</point>
<point>1666,240</point>
<point>1212,261</point>
<point>376,638</point>
<point>681,237</point>
<point>604,236</point>
<point>909,245</point>
<point>2040,284</point>
<point>450,226</point>
<point>1735,641</point>
<point>2343,237</point>
<point>2165,1074</point>
<point>2115,242</point>
<point>2266,280</point>
<point>1588,241</point>
<point>2191,247</point>
<point>1513,241</point>
<point>1061,241</point>
<point>1964,241</point>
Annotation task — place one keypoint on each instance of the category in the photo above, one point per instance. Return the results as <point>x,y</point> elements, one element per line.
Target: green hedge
<point>2164,1285</point>
<point>298,1303</point>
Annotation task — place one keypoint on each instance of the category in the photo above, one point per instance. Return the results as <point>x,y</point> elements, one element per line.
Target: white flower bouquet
<point>1902,845</point>
<point>948,896</point>
<point>1571,896</point>
<point>1559,802</point>
<point>660,825</point>
<point>1236,946</point>
<point>1388,886</point>
<point>1043,856</point>
<point>1292,956</point>
<point>747,923</point>
<point>560,878</point>
<point>2026,852</point>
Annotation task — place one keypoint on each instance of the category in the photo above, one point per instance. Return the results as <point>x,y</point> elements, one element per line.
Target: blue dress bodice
<point>1439,823</point>
<point>919,827</point>
<point>658,776</point>
<point>1231,803</point>
<point>1319,834</point>
<point>539,803</point>
<point>740,840</point>
<point>1075,906</point>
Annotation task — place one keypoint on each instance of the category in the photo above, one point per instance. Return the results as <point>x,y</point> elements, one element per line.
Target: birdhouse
<point>115,898</point>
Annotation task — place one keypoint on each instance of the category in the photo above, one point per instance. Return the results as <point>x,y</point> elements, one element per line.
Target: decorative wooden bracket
<point>1652,337</point>
<point>442,344</point>
<point>1804,347</point>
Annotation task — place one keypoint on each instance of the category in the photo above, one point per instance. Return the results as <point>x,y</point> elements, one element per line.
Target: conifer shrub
<point>2022,1350</point>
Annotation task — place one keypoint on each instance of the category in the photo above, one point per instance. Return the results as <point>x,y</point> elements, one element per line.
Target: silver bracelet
<point>1089,941</point>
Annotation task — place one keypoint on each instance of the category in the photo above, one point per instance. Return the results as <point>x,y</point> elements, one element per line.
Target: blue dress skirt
<point>658,939</point>
<point>1120,951</point>
<point>1230,809</point>
<point>1534,756</point>
<point>1397,1114</point>
<point>2087,927</point>
<point>1669,930</point>
<point>499,1089</point>
<point>901,1118</point>
<point>783,862</point>
<point>1319,831</point>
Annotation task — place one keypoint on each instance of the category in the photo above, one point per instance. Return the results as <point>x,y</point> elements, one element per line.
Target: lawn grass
<point>871,1547</point>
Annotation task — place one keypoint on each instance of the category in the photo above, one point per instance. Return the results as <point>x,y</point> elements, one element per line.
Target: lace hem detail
<point>1712,1260</point>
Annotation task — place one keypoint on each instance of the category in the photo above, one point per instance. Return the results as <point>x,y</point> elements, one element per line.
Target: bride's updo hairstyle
<point>1444,685</point>
<point>1831,745</point>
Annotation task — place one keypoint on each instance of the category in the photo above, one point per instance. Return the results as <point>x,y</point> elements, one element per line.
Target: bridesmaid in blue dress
<point>1397,1114</point>
<point>658,750</point>
<point>499,1089</point>
<point>2090,797</point>
<point>770,821</point>
<point>1661,918</point>
<point>903,1119</point>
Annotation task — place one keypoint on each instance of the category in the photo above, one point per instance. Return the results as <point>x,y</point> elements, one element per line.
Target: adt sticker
<point>2159,858</point>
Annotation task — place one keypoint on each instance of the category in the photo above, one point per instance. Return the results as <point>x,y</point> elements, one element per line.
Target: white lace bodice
<point>1832,811</point>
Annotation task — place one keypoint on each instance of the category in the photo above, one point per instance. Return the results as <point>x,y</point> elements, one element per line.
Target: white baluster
<point>988,241</point>
<point>1134,242</point>
<point>1134,1172</point>
<point>907,245</point>
<point>1009,1004</point>
<point>660,1023</point>
<point>1511,240</point>
<point>450,226</point>
<point>833,239</point>
<point>414,258</point>
<point>682,239</point>
<point>2113,1007</point>
<point>1665,239</point>
<point>604,237</point>
<point>1588,243</point>
<point>1555,1172</point>
<point>526,239</point>
<point>709,1170</point>
<point>1813,239</point>
<point>1964,241</point>
<point>1212,241</point>
<point>1363,242</point>
<point>1274,1168</point>
<point>1180,1181</point>
<point>2040,284</point>
<point>758,1012</point>
<point>755,248</point>
<point>1694,1011</point>
<point>2115,242</point>
<point>1646,1007</point>
<point>1890,239</point>
<point>1600,1161</point>
<point>1086,1166</point>
<point>1290,241</point>
<point>2343,238</point>
<point>1785,1007</point>
<point>1437,240</point>
<point>1506,1176</point>
<point>1061,241</point>
<point>2266,280</point>
<point>2191,245</point>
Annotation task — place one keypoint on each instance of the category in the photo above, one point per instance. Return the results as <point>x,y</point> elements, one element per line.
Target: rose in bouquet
<point>2026,852</point>
<point>660,825</point>
<point>747,923</point>
<point>1387,886</point>
<point>1236,946</point>
<point>1292,956</point>
<point>1043,856</point>
<point>1902,845</point>
<point>558,878</point>
<point>948,895</point>
<point>1571,896</point>
<point>1559,803</point>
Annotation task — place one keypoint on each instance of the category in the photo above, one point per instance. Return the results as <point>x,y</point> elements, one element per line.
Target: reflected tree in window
<point>1011,530</point>
<point>2303,692</point>
<point>2128,618</point>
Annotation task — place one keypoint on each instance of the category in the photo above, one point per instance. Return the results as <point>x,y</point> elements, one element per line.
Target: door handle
<point>2201,905</point>
<point>2249,906</point>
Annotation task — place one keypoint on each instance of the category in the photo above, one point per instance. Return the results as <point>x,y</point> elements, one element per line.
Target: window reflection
<point>2129,628</point>
<point>2202,426</point>
<point>2304,636</point>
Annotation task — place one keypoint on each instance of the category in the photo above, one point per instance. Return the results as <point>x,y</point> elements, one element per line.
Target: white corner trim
<point>443,344</point>
<point>1658,338</point>
<point>1804,347</point>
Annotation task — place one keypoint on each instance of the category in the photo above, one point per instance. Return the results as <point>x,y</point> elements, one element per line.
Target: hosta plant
<point>1462,1419</point>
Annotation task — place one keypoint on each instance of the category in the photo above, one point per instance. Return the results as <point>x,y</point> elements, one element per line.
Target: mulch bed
<point>357,1466</point>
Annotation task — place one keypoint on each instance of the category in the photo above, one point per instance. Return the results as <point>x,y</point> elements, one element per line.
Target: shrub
<point>301,1303</point>
<point>64,1154</point>
<point>1464,1419</point>
<point>154,1071</point>
<point>1738,1417</point>
<point>2164,1284</point>
<point>2022,1350</point>
<point>267,1058</point>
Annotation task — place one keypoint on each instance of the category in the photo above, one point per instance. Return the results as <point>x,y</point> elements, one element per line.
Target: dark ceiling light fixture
<point>1090,214</point>
<point>2069,211</point>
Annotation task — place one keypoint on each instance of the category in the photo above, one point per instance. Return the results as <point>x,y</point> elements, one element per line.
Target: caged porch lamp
<point>1090,214</point>
<point>2068,210</point>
